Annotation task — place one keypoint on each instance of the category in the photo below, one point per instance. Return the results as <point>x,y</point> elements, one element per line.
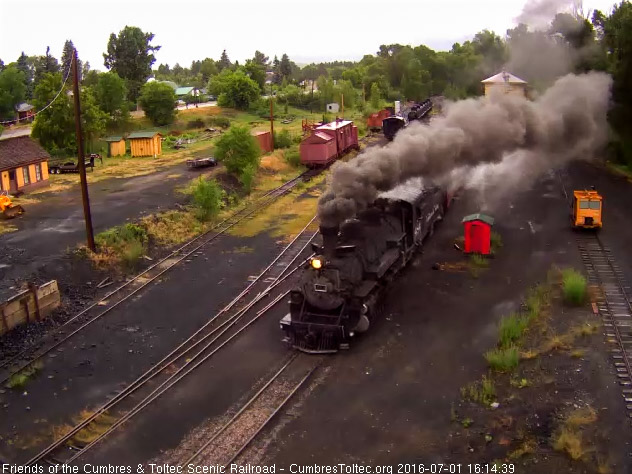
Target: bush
<point>127,242</point>
<point>195,123</point>
<point>503,359</point>
<point>207,197</point>
<point>219,121</point>
<point>293,157</point>
<point>482,392</point>
<point>511,329</point>
<point>240,152</point>
<point>573,287</point>
<point>158,101</point>
<point>283,139</point>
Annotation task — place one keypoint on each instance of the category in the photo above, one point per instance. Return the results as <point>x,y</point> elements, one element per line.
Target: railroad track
<point>114,298</point>
<point>613,304</point>
<point>219,331</point>
<point>230,441</point>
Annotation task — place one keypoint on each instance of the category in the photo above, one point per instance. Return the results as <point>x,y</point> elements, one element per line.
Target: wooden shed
<point>318,149</point>
<point>145,143</point>
<point>478,231</point>
<point>264,139</point>
<point>505,83</point>
<point>116,146</point>
<point>23,164</point>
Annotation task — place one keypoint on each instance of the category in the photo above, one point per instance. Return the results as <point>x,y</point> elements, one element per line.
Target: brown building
<point>145,143</point>
<point>26,112</point>
<point>265,141</point>
<point>23,164</point>
<point>505,83</point>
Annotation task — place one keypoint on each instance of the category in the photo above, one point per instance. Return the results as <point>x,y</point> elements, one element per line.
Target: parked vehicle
<point>201,162</point>
<point>8,210</point>
<point>71,166</point>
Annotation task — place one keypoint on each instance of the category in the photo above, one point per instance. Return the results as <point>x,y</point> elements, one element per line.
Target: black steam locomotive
<point>339,291</point>
<point>418,111</point>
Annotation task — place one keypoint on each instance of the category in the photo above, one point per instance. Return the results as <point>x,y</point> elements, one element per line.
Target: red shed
<point>478,232</point>
<point>375,120</point>
<point>318,149</point>
<point>265,141</point>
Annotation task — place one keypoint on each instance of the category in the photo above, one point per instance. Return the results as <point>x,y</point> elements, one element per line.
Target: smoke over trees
<point>568,121</point>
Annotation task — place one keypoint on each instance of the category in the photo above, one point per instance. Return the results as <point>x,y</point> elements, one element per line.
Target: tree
<point>54,127</point>
<point>234,89</point>
<point>93,119</point>
<point>130,55</point>
<point>44,65</point>
<point>208,68</point>
<point>276,69</point>
<point>25,64</point>
<point>66,61</point>
<point>285,67</point>
<point>255,72</point>
<point>239,151</point>
<point>158,101</point>
<point>376,98</point>
<point>110,94</point>
<point>12,91</point>
<point>224,62</point>
<point>260,59</point>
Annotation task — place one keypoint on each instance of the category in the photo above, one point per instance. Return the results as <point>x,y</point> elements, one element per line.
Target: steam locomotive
<point>418,111</point>
<point>339,291</point>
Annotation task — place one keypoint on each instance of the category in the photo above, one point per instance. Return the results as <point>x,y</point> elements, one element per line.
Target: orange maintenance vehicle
<point>586,210</point>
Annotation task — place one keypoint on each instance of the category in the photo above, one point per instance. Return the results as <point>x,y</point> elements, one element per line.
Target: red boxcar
<point>265,141</point>
<point>374,122</point>
<point>328,142</point>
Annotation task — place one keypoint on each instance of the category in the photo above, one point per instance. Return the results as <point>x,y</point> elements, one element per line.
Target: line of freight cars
<point>329,142</point>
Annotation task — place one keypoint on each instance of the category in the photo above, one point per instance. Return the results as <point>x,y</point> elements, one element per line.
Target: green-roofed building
<point>145,143</point>
<point>116,145</point>
<point>182,92</point>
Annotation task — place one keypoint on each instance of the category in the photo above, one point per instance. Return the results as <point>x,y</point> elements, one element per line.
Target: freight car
<point>416,111</point>
<point>340,289</point>
<point>374,122</point>
<point>329,142</point>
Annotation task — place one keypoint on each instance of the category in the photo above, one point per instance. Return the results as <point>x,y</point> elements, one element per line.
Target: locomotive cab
<point>586,210</point>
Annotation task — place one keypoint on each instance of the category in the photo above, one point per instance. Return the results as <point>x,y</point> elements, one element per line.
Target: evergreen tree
<point>66,62</point>
<point>224,62</point>
<point>25,64</point>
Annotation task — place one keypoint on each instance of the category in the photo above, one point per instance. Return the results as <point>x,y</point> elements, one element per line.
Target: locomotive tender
<point>339,291</point>
<point>417,111</point>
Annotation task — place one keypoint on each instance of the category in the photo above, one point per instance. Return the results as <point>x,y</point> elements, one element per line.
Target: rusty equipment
<point>7,208</point>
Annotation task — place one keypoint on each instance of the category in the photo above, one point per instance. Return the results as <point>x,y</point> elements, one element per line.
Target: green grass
<point>503,359</point>
<point>537,299</point>
<point>511,329</point>
<point>573,287</point>
<point>482,391</point>
<point>126,243</point>
<point>19,379</point>
<point>496,242</point>
<point>207,198</point>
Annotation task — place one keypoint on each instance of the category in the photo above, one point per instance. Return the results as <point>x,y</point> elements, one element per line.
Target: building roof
<point>503,77</point>
<point>184,90</point>
<point>334,125</point>
<point>24,107</point>
<point>479,217</point>
<point>113,139</point>
<point>143,135</point>
<point>20,151</point>
<point>256,133</point>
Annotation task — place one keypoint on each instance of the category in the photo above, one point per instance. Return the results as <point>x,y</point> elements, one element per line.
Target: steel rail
<point>279,190</point>
<point>173,355</point>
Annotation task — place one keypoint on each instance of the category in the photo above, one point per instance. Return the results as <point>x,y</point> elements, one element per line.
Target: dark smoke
<point>538,13</point>
<point>568,121</point>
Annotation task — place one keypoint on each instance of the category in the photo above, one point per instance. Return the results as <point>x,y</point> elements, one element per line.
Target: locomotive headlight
<point>316,263</point>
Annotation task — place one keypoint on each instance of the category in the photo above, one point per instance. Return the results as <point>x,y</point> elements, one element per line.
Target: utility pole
<point>271,119</point>
<point>81,163</point>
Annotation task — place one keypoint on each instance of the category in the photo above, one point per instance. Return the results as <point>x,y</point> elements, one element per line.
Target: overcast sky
<point>306,31</point>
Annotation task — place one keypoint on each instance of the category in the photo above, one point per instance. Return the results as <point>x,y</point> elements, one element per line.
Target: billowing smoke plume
<point>538,14</point>
<point>568,121</point>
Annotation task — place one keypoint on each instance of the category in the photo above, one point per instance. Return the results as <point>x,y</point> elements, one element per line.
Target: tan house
<point>116,146</point>
<point>505,83</point>
<point>145,143</point>
<point>23,164</point>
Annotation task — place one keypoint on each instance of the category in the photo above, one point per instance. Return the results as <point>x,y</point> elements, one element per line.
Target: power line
<point>54,98</point>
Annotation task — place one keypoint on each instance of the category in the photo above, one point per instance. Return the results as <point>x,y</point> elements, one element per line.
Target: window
<point>25,174</point>
<point>594,204</point>
<point>38,172</point>
<point>583,204</point>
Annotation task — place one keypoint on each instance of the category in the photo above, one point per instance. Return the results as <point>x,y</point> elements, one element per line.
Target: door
<point>477,234</point>
<point>13,184</point>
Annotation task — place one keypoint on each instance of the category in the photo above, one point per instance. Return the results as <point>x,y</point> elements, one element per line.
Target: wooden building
<point>477,229</point>
<point>116,146</point>
<point>505,83</point>
<point>26,112</point>
<point>265,141</point>
<point>145,143</point>
<point>23,164</point>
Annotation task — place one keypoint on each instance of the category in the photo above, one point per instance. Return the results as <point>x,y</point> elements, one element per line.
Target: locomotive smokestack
<point>330,239</point>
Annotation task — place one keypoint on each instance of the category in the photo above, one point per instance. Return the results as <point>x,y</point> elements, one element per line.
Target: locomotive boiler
<point>340,289</point>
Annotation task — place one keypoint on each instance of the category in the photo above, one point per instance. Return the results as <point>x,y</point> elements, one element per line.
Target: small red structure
<point>478,232</point>
<point>265,141</point>
<point>328,142</point>
<point>374,122</point>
